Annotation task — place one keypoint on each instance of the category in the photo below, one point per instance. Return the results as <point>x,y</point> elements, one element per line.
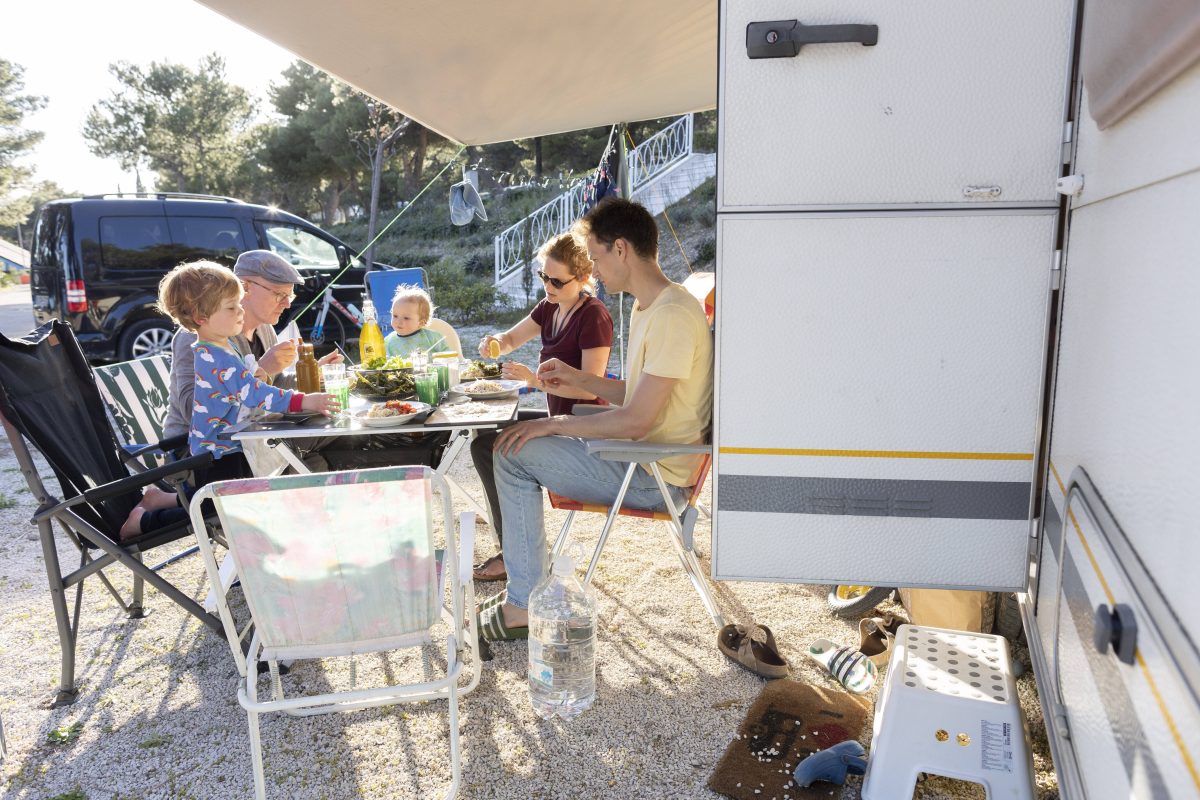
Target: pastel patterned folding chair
<point>136,397</point>
<point>335,565</point>
<point>679,522</point>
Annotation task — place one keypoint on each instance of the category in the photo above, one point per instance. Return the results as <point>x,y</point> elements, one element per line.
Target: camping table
<point>457,417</point>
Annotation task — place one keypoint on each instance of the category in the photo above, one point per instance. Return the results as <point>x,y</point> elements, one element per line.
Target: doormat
<point>788,722</point>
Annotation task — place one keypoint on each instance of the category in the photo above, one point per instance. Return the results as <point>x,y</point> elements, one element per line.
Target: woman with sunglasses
<point>575,327</point>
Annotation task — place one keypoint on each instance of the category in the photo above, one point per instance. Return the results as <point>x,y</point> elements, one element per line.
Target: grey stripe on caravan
<point>873,497</point>
<point>1123,720</point>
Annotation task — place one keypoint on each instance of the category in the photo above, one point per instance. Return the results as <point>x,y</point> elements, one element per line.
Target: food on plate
<point>392,408</point>
<point>393,362</point>
<point>384,382</point>
<point>483,387</point>
<point>481,369</point>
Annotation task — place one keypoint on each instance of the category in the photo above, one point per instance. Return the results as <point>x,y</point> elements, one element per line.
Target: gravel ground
<point>157,715</point>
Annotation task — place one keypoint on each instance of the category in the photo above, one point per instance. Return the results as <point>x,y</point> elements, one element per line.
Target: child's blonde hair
<point>195,291</point>
<point>408,293</point>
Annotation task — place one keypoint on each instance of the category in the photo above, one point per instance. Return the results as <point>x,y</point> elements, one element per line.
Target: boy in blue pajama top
<point>206,298</point>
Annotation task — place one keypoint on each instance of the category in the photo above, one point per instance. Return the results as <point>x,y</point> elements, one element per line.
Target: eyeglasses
<point>557,283</point>
<point>280,297</point>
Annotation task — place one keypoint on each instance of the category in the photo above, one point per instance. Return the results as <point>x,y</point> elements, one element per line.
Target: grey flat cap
<point>266,265</point>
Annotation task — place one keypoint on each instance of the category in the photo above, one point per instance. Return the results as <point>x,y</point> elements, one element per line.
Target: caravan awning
<point>481,71</point>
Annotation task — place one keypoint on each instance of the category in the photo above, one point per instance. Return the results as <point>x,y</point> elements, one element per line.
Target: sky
<point>66,47</point>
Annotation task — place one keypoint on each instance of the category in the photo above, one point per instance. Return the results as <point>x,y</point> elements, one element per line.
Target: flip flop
<point>875,638</point>
<point>832,764</point>
<point>490,622</point>
<point>477,572</point>
<point>849,667</point>
<point>753,647</point>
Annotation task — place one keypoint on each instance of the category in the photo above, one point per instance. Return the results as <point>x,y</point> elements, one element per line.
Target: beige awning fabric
<point>482,71</point>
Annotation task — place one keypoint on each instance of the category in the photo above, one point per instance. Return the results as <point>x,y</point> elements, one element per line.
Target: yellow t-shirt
<point>671,339</point>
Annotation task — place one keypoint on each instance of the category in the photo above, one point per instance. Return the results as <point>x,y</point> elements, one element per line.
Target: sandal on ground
<point>849,667</point>
<point>490,622</point>
<point>832,764</point>
<point>875,638</point>
<point>753,647</point>
<point>479,571</point>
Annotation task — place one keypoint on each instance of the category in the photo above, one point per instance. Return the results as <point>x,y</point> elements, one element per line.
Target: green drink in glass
<point>427,386</point>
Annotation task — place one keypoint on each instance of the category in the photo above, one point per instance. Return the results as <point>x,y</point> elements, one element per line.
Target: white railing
<point>647,161</point>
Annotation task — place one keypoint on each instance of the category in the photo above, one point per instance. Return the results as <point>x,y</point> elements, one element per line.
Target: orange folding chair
<point>680,522</point>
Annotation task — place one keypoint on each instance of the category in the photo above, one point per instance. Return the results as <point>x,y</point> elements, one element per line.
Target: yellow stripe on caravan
<point>1158,698</point>
<point>781,451</point>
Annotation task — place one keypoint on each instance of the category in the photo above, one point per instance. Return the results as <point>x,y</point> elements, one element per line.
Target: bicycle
<point>327,327</point>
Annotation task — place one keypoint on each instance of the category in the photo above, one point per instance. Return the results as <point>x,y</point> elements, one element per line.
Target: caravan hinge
<point>1067,137</point>
<point>1056,271</point>
<point>1061,725</point>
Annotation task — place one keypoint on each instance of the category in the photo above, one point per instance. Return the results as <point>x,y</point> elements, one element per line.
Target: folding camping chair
<point>680,522</point>
<point>49,399</point>
<point>137,395</point>
<point>382,283</point>
<point>339,564</point>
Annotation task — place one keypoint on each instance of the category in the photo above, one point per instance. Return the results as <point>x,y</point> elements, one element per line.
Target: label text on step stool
<point>996,751</point>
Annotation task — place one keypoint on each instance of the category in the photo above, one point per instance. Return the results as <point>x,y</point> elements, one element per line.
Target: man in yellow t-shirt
<point>665,397</point>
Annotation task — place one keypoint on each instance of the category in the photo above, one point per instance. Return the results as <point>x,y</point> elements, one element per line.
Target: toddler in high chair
<point>411,312</point>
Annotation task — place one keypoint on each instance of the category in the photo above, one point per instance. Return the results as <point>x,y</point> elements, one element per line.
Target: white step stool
<point>950,708</point>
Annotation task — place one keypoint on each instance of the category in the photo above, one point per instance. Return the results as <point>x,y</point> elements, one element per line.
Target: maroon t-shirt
<point>590,326</point>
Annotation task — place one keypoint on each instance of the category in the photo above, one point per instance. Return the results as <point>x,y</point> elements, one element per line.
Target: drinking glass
<point>337,384</point>
<point>426,380</point>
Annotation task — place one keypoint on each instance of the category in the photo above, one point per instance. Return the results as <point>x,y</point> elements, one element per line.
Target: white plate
<point>509,387</point>
<point>390,422</point>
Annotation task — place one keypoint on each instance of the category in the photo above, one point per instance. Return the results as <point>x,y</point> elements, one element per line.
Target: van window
<point>136,243</point>
<point>218,238</point>
<point>50,244</point>
<point>301,248</point>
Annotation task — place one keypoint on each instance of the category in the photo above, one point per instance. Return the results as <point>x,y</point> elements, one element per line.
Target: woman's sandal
<point>489,621</point>
<point>851,668</point>
<point>875,638</point>
<point>753,647</point>
<point>479,571</point>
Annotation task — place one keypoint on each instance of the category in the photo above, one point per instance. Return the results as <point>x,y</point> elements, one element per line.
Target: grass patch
<point>65,734</point>
<point>74,794</point>
<point>154,740</point>
<point>6,501</point>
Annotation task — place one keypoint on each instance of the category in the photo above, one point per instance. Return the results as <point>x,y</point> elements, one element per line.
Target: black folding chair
<point>49,400</point>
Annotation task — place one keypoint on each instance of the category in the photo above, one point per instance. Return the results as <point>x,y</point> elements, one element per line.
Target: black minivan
<point>97,260</point>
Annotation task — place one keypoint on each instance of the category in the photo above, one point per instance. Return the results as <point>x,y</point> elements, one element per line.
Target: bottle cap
<point>564,565</point>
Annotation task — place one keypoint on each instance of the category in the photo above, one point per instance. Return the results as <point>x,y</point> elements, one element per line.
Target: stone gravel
<point>157,714</point>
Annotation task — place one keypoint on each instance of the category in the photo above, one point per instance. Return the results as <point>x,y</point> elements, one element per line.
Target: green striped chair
<point>136,396</point>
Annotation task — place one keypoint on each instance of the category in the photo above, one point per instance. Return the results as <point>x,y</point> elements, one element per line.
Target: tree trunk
<point>331,202</point>
<point>537,157</point>
<point>419,154</point>
<point>376,179</point>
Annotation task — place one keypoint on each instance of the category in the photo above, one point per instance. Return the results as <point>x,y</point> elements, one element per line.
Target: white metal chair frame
<point>462,647</point>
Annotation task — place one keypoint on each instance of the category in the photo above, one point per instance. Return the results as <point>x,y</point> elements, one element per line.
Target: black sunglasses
<point>555,282</point>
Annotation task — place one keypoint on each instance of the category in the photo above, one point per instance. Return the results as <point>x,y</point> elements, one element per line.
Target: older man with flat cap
<point>269,283</point>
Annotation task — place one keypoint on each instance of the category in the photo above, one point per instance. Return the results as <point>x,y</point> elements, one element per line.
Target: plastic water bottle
<point>562,644</point>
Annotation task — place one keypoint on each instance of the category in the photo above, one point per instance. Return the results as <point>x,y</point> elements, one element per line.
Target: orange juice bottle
<point>370,340</point>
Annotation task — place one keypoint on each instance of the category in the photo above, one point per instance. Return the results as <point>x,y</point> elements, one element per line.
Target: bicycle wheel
<point>333,332</point>
<point>853,601</point>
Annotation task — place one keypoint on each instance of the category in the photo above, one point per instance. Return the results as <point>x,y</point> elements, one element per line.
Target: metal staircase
<point>663,170</point>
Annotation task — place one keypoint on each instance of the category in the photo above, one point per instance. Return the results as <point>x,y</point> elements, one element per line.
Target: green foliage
<point>39,194</point>
<point>65,734</point>
<point>154,740</point>
<point>75,794</point>
<point>460,298</point>
<point>189,126</point>
<point>15,141</point>
<point>706,252</point>
<point>6,501</point>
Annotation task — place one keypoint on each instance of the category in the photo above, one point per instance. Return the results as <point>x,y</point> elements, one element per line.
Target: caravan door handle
<point>784,38</point>
<point>1116,628</point>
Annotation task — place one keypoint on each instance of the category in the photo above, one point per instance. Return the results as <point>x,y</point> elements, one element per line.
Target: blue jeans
<point>562,465</point>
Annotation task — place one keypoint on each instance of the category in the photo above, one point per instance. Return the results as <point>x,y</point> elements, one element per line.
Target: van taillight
<point>76,297</point>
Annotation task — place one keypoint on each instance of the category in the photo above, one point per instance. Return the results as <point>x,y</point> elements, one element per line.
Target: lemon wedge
<point>494,348</point>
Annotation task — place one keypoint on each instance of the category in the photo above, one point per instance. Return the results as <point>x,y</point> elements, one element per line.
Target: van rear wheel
<point>146,337</point>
